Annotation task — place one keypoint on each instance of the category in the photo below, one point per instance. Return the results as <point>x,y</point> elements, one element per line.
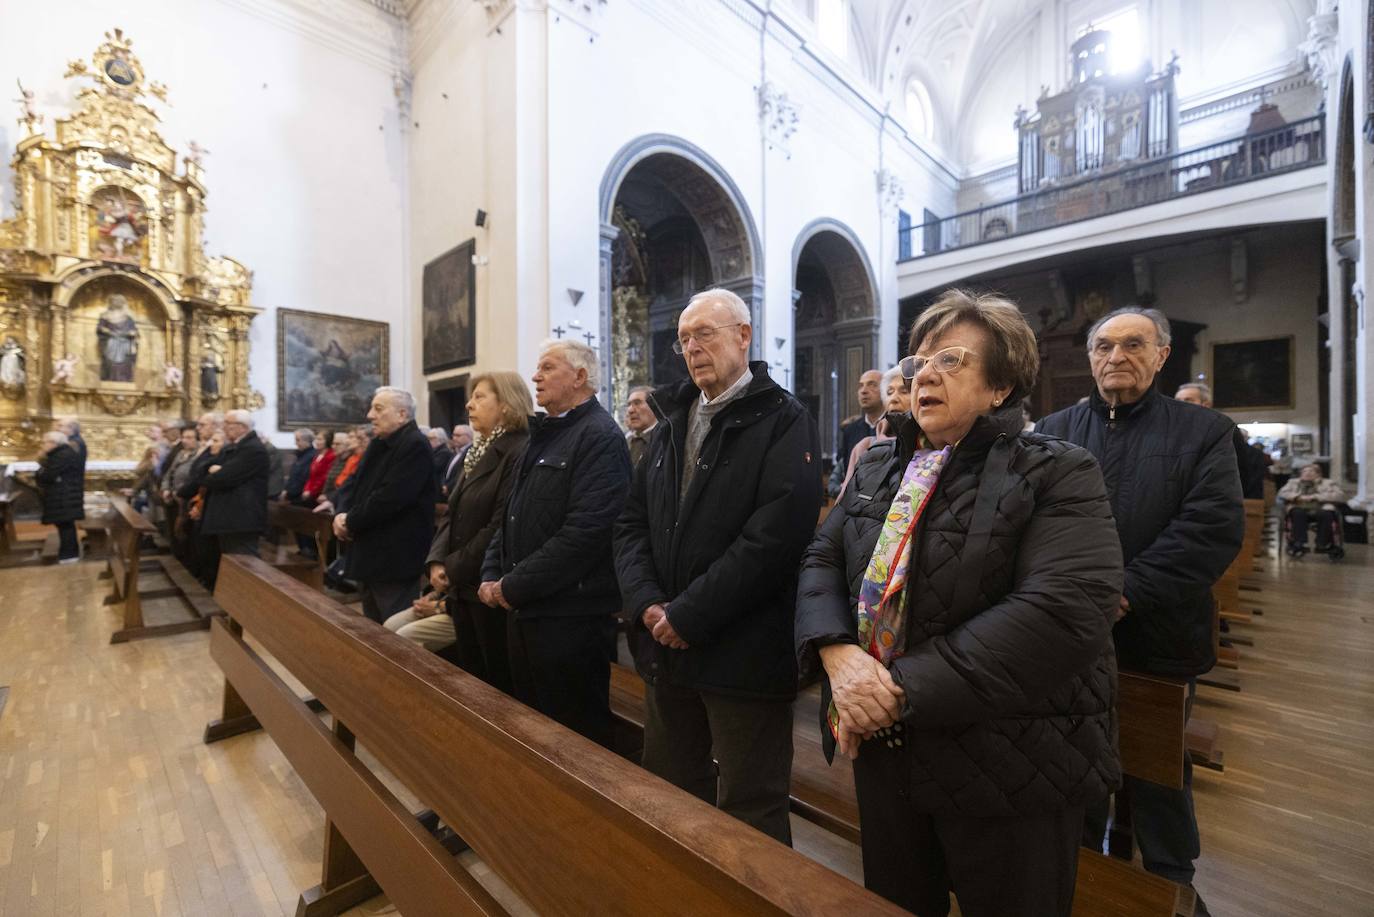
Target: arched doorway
<point>835,324</point>
<point>672,224</point>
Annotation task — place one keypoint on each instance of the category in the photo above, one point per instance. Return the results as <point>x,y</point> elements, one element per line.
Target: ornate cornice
<point>371,31</point>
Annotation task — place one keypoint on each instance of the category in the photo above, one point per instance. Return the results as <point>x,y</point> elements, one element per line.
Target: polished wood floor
<point>109,803</point>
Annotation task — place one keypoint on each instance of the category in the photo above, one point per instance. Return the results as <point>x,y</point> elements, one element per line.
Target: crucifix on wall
<point>558,332</point>
<point>590,337</point>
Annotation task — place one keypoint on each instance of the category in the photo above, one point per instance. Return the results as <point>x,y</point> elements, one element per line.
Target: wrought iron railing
<point>1223,164</point>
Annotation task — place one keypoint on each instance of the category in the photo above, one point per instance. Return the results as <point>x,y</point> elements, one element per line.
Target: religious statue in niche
<point>121,224</point>
<point>64,369</point>
<point>171,375</point>
<point>12,373</point>
<point>211,365</point>
<point>118,337</point>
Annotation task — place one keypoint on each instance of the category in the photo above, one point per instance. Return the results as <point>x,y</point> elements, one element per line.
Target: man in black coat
<point>72,428</point>
<point>443,455</point>
<point>1171,474</point>
<point>299,474</point>
<point>872,400</point>
<point>236,489</point>
<point>549,563</point>
<point>62,482</point>
<point>1252,462</point>
<point>390,517</point>
<point>707,552</point>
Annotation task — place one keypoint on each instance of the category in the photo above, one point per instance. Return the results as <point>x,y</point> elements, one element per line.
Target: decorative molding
<point>403,84</point>
<point>890,191</point>
<point>1322,46</point>
<point>360,29</point>
<point>778,116</point>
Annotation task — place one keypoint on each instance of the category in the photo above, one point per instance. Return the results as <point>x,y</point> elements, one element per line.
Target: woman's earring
<point>997,402</point>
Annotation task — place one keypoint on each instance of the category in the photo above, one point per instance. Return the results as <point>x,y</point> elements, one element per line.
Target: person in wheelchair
<point>1312,498</point>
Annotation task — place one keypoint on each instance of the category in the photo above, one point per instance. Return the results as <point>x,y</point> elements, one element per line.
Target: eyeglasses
<point>1132,346</point>
<point>703,337</point>
<point>946,362</point>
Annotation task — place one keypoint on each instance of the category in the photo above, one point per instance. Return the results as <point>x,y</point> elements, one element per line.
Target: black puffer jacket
<point>552,552</point>
<point>1009,674</point>
<point>1170,468</point>
<point>60,476</point>
<point>389,500</point>
<point>724,557</point>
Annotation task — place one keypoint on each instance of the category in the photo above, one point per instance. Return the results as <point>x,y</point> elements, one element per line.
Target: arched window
<point>832,23</point>
<point>920,118</point>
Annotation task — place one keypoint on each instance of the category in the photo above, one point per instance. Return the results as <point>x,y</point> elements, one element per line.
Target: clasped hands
<point>865,696</point>
<point>341,527</point>
<point>661,629</point>
<point>490,594</point>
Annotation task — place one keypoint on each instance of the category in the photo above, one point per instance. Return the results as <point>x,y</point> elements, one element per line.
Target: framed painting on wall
<point>448,299</point>
<point>328,366</point>
<point>1253,375</point>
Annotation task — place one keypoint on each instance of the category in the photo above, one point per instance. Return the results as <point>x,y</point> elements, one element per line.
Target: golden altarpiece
<point>110,311</point>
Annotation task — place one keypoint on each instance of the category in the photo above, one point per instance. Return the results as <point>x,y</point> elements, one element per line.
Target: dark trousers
<point>67,546</point>
<point>685,729</point>
<point>244,543</point>
<point>480,635</point>
<point>997,867</point>
<point>561,666</point>
<point>382,599</point>
<point>1300,518</point>
<point>1162,820</point>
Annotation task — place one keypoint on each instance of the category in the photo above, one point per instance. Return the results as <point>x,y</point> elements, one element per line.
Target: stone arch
<point>835,322</point>
<point>662,192</point>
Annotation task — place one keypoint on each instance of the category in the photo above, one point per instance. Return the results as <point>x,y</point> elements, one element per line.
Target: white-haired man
<point>550,563</point>
<point>460,442</point>
<point>442,453</point>
<point>390,517</point>
<point>708,552</point>
<point>1252,461</point>
<point>236,489</point>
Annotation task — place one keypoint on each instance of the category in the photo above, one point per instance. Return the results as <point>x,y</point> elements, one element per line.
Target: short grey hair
<point>737,308</point>
<point>56,436</point>
<point>888,377</point>
<point>400,397</point>
<point>439,432</point>
<point>1161,323</point>
<point>238,416</point>
<point>308,433</point>
<point>1203,389</point>
<point>71,422</point>
<point>578,356</point>
<point>216,418</point>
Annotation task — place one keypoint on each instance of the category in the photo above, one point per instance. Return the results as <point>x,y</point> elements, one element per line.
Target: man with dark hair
<point>871,405</point>
<point>708,552</point>
<point>1170,469</point>
<point>390,515</point>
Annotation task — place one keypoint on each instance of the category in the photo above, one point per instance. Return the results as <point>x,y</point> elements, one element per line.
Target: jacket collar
<point>1099,406</point>
<point>987,429</point>
<point>540,423</point>
<point>669,400</point>
<point>398,434</point>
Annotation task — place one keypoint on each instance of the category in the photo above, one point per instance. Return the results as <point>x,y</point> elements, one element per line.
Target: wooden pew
<point>300,520</point>
<point>1152,748</point>
<point>126,530</point>
<point>569,826</point>
<point>8,537</point>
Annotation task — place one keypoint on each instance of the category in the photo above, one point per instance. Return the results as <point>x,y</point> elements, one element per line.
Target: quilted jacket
<point>1009,672</point>
<point>552,551</point>
<point>62,483</point>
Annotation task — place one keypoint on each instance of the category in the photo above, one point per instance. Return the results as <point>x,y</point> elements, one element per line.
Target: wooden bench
<point>8,537</point>
<point>1151,748</point>
<point>568,826</point>
<point>299,520</point>
<point>126,531</point>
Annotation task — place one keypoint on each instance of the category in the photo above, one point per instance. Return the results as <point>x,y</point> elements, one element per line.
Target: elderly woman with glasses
<point>958,603</point>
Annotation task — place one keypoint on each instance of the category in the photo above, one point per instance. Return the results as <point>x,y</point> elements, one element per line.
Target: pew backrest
<point>569,826</point>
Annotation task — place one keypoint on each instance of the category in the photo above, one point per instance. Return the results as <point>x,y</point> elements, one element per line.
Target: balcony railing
<point>1294,146</point>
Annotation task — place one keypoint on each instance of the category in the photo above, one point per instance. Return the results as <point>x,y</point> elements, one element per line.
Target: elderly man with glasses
<point>720,510</point>
<point>1171,474</point>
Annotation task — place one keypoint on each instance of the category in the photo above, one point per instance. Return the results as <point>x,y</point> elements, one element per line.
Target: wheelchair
<point>1330,531</point>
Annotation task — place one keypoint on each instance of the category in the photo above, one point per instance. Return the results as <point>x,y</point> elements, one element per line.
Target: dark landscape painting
<point>1253,375</point>
<point>328,366</point>
<point>449,297</point>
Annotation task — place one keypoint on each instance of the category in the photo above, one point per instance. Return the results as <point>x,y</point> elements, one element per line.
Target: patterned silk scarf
<point>882,622</point>
<point>479,447</point>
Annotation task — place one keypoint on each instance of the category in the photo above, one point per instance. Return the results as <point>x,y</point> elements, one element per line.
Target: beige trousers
<point>434,633</point>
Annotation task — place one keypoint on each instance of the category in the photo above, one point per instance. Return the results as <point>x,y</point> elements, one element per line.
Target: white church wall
<point>305,174</point>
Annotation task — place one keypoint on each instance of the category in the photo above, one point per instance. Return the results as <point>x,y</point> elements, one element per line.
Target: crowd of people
<point>965,604</point>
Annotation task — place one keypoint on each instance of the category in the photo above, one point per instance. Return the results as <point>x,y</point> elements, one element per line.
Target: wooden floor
<point>109,803</point>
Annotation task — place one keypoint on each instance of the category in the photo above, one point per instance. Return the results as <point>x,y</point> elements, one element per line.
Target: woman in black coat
<point>499,412</point>
<point>60,477</point>
<point>959,601</point>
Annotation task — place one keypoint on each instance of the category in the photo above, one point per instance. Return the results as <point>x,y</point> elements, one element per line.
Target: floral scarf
<point>479,448</point>
<point>882,622</point>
